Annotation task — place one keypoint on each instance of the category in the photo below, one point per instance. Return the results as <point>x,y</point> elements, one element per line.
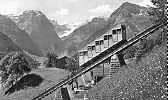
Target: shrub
<point>160,37</point>
<point>71,64</point>
<point>130,52</point>
<point>149,45</point>
<point>51,60</point>
<point>141,49</point>
<point>29,80</point>
<point>144,47</point>
<point>13,66</point>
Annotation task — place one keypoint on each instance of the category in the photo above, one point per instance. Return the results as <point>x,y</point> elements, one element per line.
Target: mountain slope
<point>7,45</point>
<point>41,30</point>
<point>60,29</point>
<point>140,80</point>
<point>82,33</point>
<point>20,37</point>
<point>134,17</point>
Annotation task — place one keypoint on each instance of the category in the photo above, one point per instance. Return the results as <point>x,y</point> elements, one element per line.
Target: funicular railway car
<point>97,47</point>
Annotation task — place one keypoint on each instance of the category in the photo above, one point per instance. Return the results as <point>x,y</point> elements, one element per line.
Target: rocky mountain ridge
<point>41,30</point>
<point>18,36</point>
<point>45,32</point>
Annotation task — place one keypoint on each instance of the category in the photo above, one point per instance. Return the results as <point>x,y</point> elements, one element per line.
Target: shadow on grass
<point>29,80</point>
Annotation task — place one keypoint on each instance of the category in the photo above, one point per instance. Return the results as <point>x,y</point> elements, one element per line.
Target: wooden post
<point>121,59</point>
<point>65,94</point>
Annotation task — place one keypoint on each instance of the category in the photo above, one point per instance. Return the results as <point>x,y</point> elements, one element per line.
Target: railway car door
<point>102,45</point>
<point>106,41</point>
<point>86,56</point>
<point>81,58</point>
<point>119,34</point>
<point>110,41</point>
<point>115,36</point>
<point>124,37</point>
<point>97,43</point>
<point>90,52</point>
<point>94,50</point>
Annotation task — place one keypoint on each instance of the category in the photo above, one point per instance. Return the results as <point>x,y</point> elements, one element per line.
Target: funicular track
<point>89,65</point>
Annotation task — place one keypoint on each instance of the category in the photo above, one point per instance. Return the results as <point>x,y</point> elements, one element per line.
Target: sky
<point>66,11</point>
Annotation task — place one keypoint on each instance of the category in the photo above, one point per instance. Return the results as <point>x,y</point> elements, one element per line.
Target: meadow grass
<point>51,77</point>
<point>140,80</point>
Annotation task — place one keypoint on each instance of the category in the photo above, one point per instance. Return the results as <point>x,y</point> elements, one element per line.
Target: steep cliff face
<point>134,17</point>
<point>20,37</point>
<point>41,30</point>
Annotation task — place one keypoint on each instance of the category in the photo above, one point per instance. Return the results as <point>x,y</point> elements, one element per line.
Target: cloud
<point>72,1</point>
<point>62,12</point>
<point>101,9</point>
<point>146,3</point>
<point>9,7</point>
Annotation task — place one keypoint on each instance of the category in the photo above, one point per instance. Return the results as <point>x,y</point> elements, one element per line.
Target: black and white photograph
<point>83,50</point>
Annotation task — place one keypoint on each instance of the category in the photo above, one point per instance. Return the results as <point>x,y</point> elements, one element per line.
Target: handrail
<point>92,65</point>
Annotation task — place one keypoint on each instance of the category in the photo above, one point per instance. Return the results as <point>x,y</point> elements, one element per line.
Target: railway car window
<point>81,53</point>
<point>101,45</point>
<point>94,51</point>
<point>97,46</point>
<point>93,48</point>
<point>106,41</point>
<point>118,29</point>
<point>114,32</point>
<point>81,60</point>
<point>106,37</point>
<point>97,43</point>
<point>109,37</point>
<point>110,40</point>
<point>115,36</point>
<point>119,34</point>
<point>85,53</point>
<point>90,52</point>
<point>89,48</point>
<point>85,56</point>
<point>101,42</point>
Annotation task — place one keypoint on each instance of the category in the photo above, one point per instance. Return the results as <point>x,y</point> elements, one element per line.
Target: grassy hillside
<point>51,76</point>
<point>142,80</point>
